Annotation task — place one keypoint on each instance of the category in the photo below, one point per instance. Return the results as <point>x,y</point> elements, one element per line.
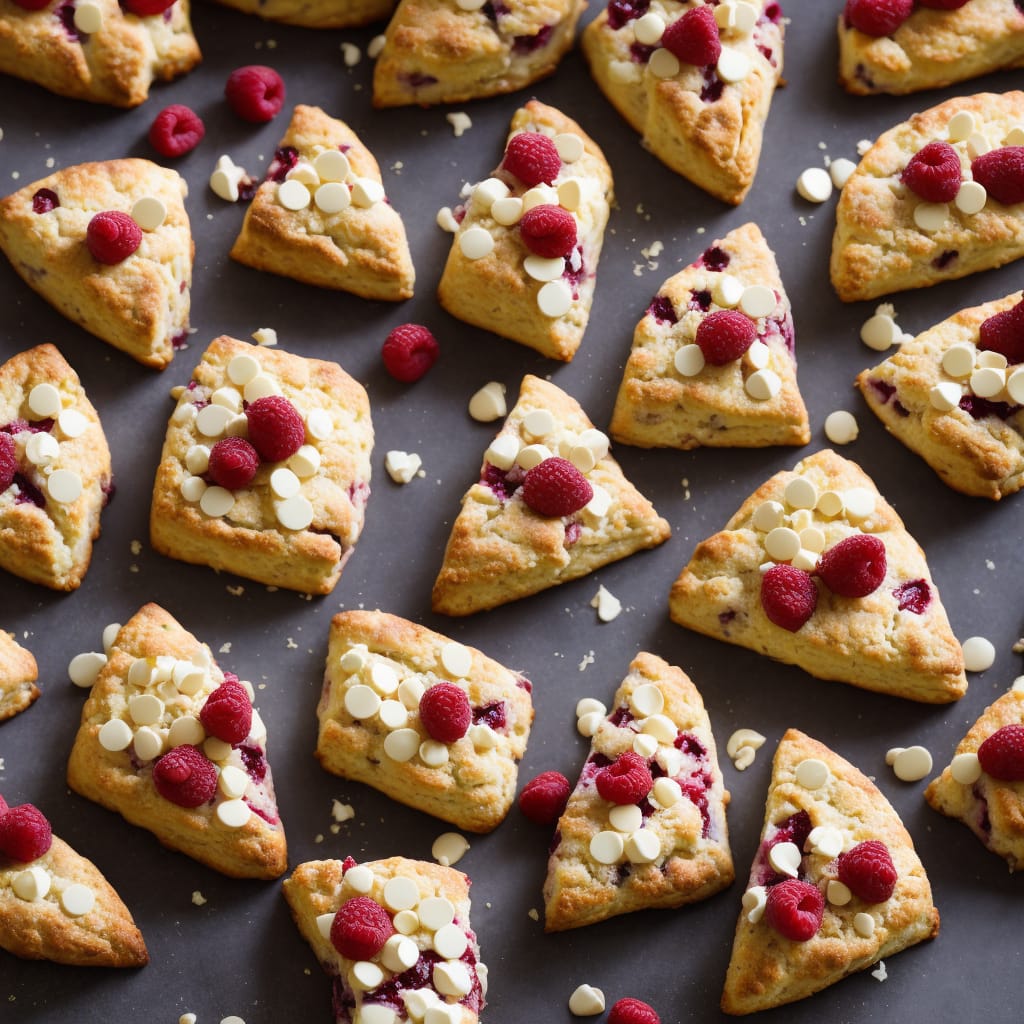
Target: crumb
<point>235,591</point>
<point>374,47</point>
<point>638,270</point>
<point>335,829</point>
<point>187,1018</point>
<point>133,568</point>
<point>198,899</point>
<point>989,564</point>
<point>225,648</point>
<point>271,44</point>
<point>588,659</point>
<point>318,838</point>
<point>342,812</point>
<point>265,336</point>
<point>136,547</point>
<point>351,54</point>
<point>291,645</point>
<point>460,122</point>
<point>402,466</point>
<point>3,764</point>
<point>272,590</point>
<point>50,161</point>
<point>822,146</point>
<point>880,972</point>
<point>532,914</point>
<point>863,146</point>
<point>1018,647</point>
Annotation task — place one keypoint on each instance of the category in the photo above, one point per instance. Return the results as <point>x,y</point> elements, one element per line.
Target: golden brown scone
<point>678,852</point>
<point>115,63</point>
<point>300,542</point>
<point>933,48</point>
<point>897,640</point>
<point>436,51</point>
<point>767,969</point>
<point>49,520</point>
<point>974,443</point>
<point>878,247</point>
<point>378,667</point>
<point>157,671</point>
<point>357,244</point>
<point>140,305</point>
<point>993,809</point>
<point>749,402</point>
<point>704,123</point>
<point>436,943</point>
<point>316,13</point>
<point>500,549</point>
<point>18,675</point>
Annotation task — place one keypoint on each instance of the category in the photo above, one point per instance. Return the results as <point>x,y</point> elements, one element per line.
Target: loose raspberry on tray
<point>409,351</point>
<point>694,38</point>
<point>276,429</point>
<point>176,130</point>
<point>555,487</point>
<point>633,1011</point>
<point>185,776</point>
<point>445,712</point>
<point>788,596</point>
<point>795,909</point>
<point>867,871</point>
<point>933,173</point>
<point>112,237</point>
<point>25,834</point>
<point>543,799</point>
<point>726,334</point>
<point>855,567</point>
<point>360,928</point>
<point>627,780</point>
<point>1002,754</point>
<point>878,17</point>
<point>1004,333</point>
<point>548,231</point>
<point>532,158</point>
<point>233,463</point>
<point>1001,171</point>
<point>227,713</point>
<point>255,93</point>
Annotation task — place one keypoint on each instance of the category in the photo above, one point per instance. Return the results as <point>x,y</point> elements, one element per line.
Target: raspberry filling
<point>420,975</point>
<point>978,408</point>
<point>283,161</point>
<point>254,761</point>
<point>8,461</point>
<point>417,80</point>
<point>522,45</point>
<point>66,15</point>
<point>662,310</point>
<point>491,715</point>
<point>913,596</point>
<point>714,258</point>
<point>712,87</point>
<point>622,11</point>
<point>794,829</point>
<point>885,392</point>
<point>944,259</point>
<point>44,201</point>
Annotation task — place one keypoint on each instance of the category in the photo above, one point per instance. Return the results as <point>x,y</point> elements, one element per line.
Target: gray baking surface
<point>239,953</point>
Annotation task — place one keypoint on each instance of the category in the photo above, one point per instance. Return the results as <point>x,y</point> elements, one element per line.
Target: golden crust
<point>316,13</point>
<point>18,675</point>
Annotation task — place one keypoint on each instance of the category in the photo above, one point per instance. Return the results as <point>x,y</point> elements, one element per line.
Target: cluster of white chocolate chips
<point>329,183</point>
<point>978,372</point>
<point>36,883</point>
<point>43,449</point>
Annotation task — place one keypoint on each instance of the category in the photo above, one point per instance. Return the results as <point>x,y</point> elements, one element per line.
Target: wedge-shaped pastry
<point>417,960</point>
<point>444,51</point>
<point>949,397</point>
<point>173,744</point>
<point>832,845</point>
<point>321,217</point>
<point>291,515</point>
<point>501,548</point>
<point>523,262</point>
<point>316,13</point>
<point>140,304</point>
<point>55,472</point>
<point>888,238</point>
<point>452,752</point>
<point>752,585</point>
<point>671,396</point>
<point>18,675</point>
<point>704,121</point>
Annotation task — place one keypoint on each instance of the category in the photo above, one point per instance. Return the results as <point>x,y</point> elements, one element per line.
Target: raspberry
<point>176,130</point>
<point>255,93</point>
<point>633,1011</point>
<point>8,461</point>
<point>185,776</point>
<point>543,799</point>
<point>855,567</point>
<point>146,8</point>
<point>409,351</point>
<point>227,713</point>
<point>1001,171</point>
<point>867,871</point>
<point>360,928</point>
<point>627,780</point>
<point>3,806</point>
<point>1002,754</point>
<point>693,38</point>
<point>794,909</point>
<point>878,17</point>
<point>788,596</point>
<point>532,158</point>
<point>1004,333</point>
<point>555,487</point>
<point>112,237</point>
<point>445,712</point>
<point>347,865</point>
<point>45,200</point>
<point>233,463</point>
<point>276,429</point>
<point>548,231</point>
<point>25,834</point>
<point>933,173</point>
<point>725,334</point>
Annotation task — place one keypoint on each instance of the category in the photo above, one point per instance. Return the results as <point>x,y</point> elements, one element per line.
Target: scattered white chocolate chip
<point>216,501</point>
<point>85,667</point>
<point>77,899</point>
<point>841,427</point>
<point>837,893</point>
<point>800,493</point>
<point>979,654</point>
<point>360,878</point>
<point>570,147</point>
<point>295,513</point>
<point>864,925</point>
<point>332,197</point>
<point>607,604</point>
<point>840,171</point>
<point>971,198</point>
<point>459,119</point>
<point>965,769</point>
<point>488,404</point>
<point>648,29</point>
<point>644,745</point>
<point>814,185</point>
<point>727,291</point>
<point>350,54</point>
<point>446,220</point>
<point>626,818</point>
<point>812,773</point>
<point>449,848</point>
<point>782,543</point>
<point>402,466</point>
<point>961,126</point>
<point>880,332</point>
<point>647,699</point>
<point>785,858</point>
<point>284,483</point>
<point>149,212</point>
<point>754,900</point>
<point>667,792</point>
<point>293,195</point>
<point>433,753</point>
<point>31,884</point>
<point>457,659</point>
<point>759,355</point>
<point>225,179</point>
<point>767,516</point>
<point>912,764</point>
<point>233,813</point>
<point>858,502</point>
<point>589,723</point>
<point>643,847</point>
<point>586,1001</point>
<point>400,893</point>
<point>945,396</point>
<point>72,423</point>
<point>367,975</point>
<point>987,381</point>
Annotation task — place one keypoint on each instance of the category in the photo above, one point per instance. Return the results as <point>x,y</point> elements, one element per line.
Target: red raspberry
<point>276,429</point>
<point>633,1011</point>
<point>933,173</point>
<point>878,17</point>
<point>360,928</point>
<point>1002,754</point>
<point>146,8</point>
<point>227,713</point>
<point>548,231</point>
<point>255,93</point>
<point>943,5</point>
<point>25,834</point>
<point>693,38</point>
<point>794,909</point>
<point>8,461</point>
<point>112,237</point>
<point>32,5</point>
<point>409,351</point>
<point>532,158</point>
<point>855,567</point>
<point>788,596</point>
<point>176,130</point>
<point>347,865</point>
<point>1003,332</point>
<point>3,805</point>
<point>185,776</point>
<point>868,871</point>
<point>1001,171</point>
<point>725,334</point>
<point>627,780</point>
<point>233,463</point>
<point>543,799</point>
<point>555,487</point>
<point>445,712</point>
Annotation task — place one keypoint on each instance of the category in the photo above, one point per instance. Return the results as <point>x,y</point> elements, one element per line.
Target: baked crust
<point>868,642</point>
<point>18,675</point>
<point>475,786</point>
<point>316,13</point>
<point>768,970</point>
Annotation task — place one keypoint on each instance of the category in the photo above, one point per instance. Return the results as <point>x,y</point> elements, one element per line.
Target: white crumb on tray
<point>374,47</point>
<point>880,972</point>
<point>460,122</point>
<point>588,659</point>
<point>235,591</point>
<point>225,648</point>
<point>532,914</point>
<point>342,812</point>
<point>351,54</point>
<point>198,899</point>
<point>291,644</point>
<point>607,604</point>
<point>265,336</point>
<point>136,547</point>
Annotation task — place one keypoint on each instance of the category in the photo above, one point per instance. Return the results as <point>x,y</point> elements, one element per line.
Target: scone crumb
<point>351,54</point>
<point>607,604</point>
<point>225,648</point>
<point>235,591</point>
<point>1018,647</point>
<point>342,812</point>
<point>586,1001</point>
<point>318,838</point>
<point>402,466</point>
<point>136,547</point>
<point>863,146</point>
<point>460,122</point>
<point>588,659</point>
<point>291,645</point>
<point>880,972</point>
<point>449,848</point>
<point>265,336</point>
<point>374,47</point>
<point>532,914</point>
<point>198,899</point>
<point>177,391</point>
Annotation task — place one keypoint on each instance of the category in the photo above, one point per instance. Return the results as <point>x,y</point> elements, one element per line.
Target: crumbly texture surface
<point>877,247</point>
<point>868,642</point>
<point>659,407</point>
<point>18,675</point>
<point>475,786</point>
<point>316,13</point>
<point>768,970</point>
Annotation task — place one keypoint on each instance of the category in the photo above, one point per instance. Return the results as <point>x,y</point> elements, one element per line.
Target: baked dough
<point>719,406</point>
<point>18,675</point>
<point>474,786</point>
<point>896,640</point>
<point>500,549</point>
<point>316,13</point>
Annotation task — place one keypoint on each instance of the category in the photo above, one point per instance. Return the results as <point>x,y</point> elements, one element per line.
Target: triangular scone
<point>50,513</point>
<point>897,640</point>
<point>18,675</point>
<point>879,245</point>
<point>750,402</point>
<point>670,848</point>
<point>316,13</point>
<point>432,959</point>
<point>814,788</point>
<point>378,667</point>
<point>705,123</point>
<point>159,674</point>
<point>492,280</point>
<point>993,809</point>
<point>925,395</point>
<point>140,305</point>
<point>500,549</point>
<point>322,218</point>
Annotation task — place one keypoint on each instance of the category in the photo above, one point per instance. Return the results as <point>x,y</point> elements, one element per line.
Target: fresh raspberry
<point>878,17</point>
<point>1004,333</point>
<point>933,173</point>
<point>788,596</point>
<point>227,713</point>
<point>176,130</point>
<point>633,1011</point>
<point>409,351</point>
<point>555,487</point>
<point>347,865</point>
<point>855,567</point>
<point>543,799</point>
<point>532,158</point>
<point>8,461</point>
<point>112,237</point>
<point>255,93</point>
<point>794,909</point>
<point>943,5</point>
<point>276,429</point>
<point>146,8</point>
<point>233,463</point>
<point>360,928</point>
<point>3,805</point>
<point>868,871</point>
<point>1002,754</point>
<point>445,712</point>
<point>627,780</point>
<point>1001,171</point>
<point>548,231</point>
<point>725,334</point>
<point>185,776</point>
<point>693,38</point>
<point>25,834</point>
<point>32,5</point>
<point>45,200</point>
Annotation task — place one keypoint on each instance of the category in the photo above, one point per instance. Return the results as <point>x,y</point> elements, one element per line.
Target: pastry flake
<point>18,675</point>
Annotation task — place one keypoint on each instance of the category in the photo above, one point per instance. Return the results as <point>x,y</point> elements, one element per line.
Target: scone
<point>427,721</point>
<point>835,886</point>
<point>890,237</point>
<point>55,475</point>
<point>449,51</point>
<point>584,512</point>
<point>137,301</point>
<point>645,826</point>
<point>955,399</point>
<point>316,13</point>
<point>98,51</point>
<point>697,90</point>
<point>282,499</point>
<point>18,675</point>
<point>173,744</point>
<point>989,800</point>
<point>395,937</point>
<point>712,361</point>
<point>932,48</point>
<point>523,262</point>
<point>817,570</point>
<point>322,218</point>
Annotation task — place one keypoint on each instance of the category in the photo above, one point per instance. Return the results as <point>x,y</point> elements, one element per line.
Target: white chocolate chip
<point>64,486</point>
<point>72,423</point>
<point>319,424</point>
<point>366,975</point>
<point>457,659</point>
<point>841,427</point>
<point>304,173</point>
<point>147,744</point>
<point>814,185</point>
<point>586,1001</point>
<point>743,738</point>
<point>971,198</point>
<point>77,899</point>
<point>812,773</point>
<point>607,604</point>
<point>759,355</point>
<point>645,745</point>
<point>757,300</point>
<point>459,119</point>
<point>449,940</point>
<point>532,455</point>
<point>607,847</point>
<point>295,513</point>
<point>785,859</point>
<point>727,291</point>
<point>360,878</point>
<point>978,145</point>
<point>400,893</point>
<point>148,212</point>
<point>880,332</point>
<point>830,503</point>
<point>145,708</point>
<point>226,178</point>
<point>979,654</point>
<point>555,299</point>
<point>864,925</point>
<point>489,191</point>
<point>763,385</point>
<point>114,735</point>
<point>945,396</point>
<point>410,690</point>
<point>539,195</point>
<point>643,847</point>
<point>433,753</point>
<point>840,171</point>
<point>84,668</point>
<point>233,813</point>
<point>626,818</point>
<point>110,632</point>
<point>647,699</point>
<point>961,126</point>
<point>435,912</point>
<point>541,269</point>
<point>837,893</point>
<point>782,543</point>
<point>475,243</point>
<point>995,360</point>
<point>293,195</point>
<point>599,504</point>
<point>688,360</point>
<point>332,165</point>
<point>965,769</point>
<point>826,841</point>
<point>186,729</point>
<point>232,782</point>
<point>503,451</point>
<point>987,382</point>
<point>767,516</point>
<point>31,884</point>
<point>661,727</point>
<point>667,791</point>
<point>754,900</point>
<point>88,17</point>
<point>859,502</point>
<point>663,64</point>
<point>733,65</point>
<point>931,216</point>
<point>449,848</point>
<point>44,401</point>
<point>216,501</point>
<point>912,764</point>
<point>648,29</point>
<point>216,750</point>
<point>332,197</point>
<point>800,493</point>
<point>366,192</point>
<point>589,723</point>
<point>1015,386</point>
<point>451,979</point>
<point>401,466</point>
<point>488,404</point>
<point>361,702</point>
<point>813,539</point>
<point>446,220</point>
<point>570,195</point>
<point>399,954</point>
